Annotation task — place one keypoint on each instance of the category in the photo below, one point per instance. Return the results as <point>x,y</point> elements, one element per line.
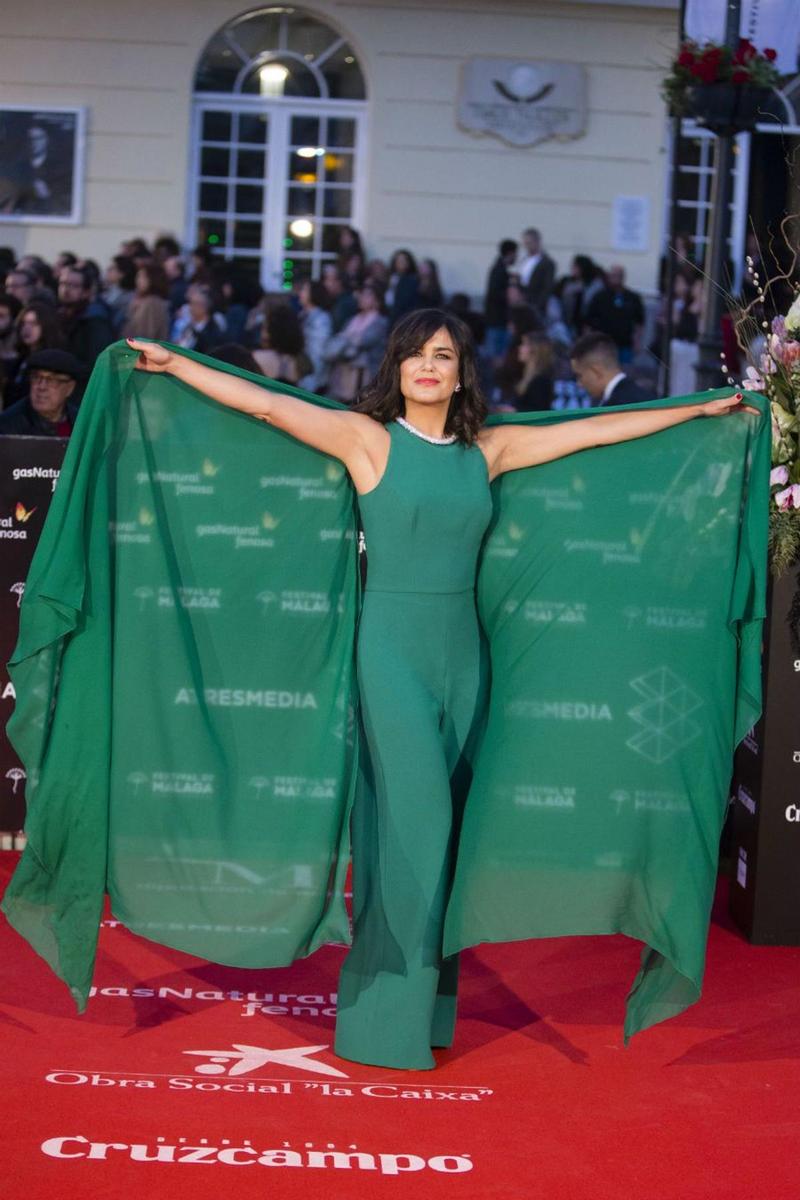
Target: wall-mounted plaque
<point>522,102</point>
<point>630,223</point>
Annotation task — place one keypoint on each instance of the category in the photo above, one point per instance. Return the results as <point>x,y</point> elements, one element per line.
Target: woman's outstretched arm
<point>343,435</point>
<point>511,447</point>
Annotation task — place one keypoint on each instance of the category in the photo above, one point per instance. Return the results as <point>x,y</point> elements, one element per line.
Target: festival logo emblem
<point>22,513</point>
<point>173,783</point>
<point>15,774</point>
<point>137,779</point>
<point>18,590</point>
<point>143,594</point>
<point>259,782</point>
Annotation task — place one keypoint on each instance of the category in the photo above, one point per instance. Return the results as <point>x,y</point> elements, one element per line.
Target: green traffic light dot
<point>288,242</point>
<point>287,287</point>
<point>213,239</point>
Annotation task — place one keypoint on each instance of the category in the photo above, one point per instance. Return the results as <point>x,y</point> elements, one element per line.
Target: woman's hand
<point>726,404</point>
<point>152,357</point>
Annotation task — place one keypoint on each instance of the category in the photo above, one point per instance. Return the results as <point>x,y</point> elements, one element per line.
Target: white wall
<point>443,191</point>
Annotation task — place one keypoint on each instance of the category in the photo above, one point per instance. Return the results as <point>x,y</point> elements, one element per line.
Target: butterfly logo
<point>209,468</point>
<point>22,513</point>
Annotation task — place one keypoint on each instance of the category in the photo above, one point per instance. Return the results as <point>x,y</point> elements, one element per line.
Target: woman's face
<point>113,274</point>
<point>524,351</point>
<point>199,304</point>
<point>367,300</point>
<point>429,375</point>
<point>305,295</point>
<point>402,264</point>
<point>378,270</point>
<point>142,281</point>
<point>30,328</point>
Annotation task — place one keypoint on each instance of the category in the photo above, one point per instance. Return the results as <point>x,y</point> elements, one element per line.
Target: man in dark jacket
<point>50,409</point>
<point>86,326</point>
<point>595,362</point>
<point>537,272</point>
<point>495,308</point>
<point>618,312</point>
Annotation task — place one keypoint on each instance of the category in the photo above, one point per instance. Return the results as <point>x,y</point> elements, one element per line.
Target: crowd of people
<point>544,340</point>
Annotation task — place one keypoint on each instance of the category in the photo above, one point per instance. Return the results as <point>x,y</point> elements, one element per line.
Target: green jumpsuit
<point>422,671</point>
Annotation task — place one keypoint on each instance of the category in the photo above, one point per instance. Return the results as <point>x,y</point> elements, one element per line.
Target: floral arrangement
<point>773,348</point>
<point>710,62</point>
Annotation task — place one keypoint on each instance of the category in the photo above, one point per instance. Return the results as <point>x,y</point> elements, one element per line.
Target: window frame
<point>279,112</point>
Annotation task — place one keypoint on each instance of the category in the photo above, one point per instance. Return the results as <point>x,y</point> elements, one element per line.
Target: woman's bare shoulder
<point>370,430</point>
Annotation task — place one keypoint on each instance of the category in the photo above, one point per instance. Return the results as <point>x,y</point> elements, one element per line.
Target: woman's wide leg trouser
<point>422,683</point>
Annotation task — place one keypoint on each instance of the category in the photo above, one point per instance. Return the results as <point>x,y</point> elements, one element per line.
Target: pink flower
<point>791,353</point>
<point>753,380</point>
<point>776,350</point>
<point>788,498</point>
<point>778,475</point>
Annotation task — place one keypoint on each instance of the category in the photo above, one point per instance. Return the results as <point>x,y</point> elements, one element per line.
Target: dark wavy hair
<point>382,398</point>
<point>282,331</point>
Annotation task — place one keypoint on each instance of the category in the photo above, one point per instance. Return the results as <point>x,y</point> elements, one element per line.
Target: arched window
<point>278,126</point>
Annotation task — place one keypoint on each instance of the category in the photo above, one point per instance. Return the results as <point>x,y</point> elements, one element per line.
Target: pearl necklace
<point>426,437</point>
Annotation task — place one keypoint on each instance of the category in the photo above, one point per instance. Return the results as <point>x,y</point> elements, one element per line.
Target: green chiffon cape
<point>186,696</point>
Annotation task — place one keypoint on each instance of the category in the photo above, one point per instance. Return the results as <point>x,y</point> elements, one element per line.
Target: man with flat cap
<point>50,408</point>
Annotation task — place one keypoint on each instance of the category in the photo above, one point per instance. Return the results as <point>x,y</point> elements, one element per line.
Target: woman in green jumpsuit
<point>422,687</point>
<point>421,461</point>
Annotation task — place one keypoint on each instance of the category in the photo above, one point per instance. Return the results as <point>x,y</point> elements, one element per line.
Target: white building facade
<point>264,129</point>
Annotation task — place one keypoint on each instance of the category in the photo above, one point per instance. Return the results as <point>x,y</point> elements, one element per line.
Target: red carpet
<point>176,1065</point>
